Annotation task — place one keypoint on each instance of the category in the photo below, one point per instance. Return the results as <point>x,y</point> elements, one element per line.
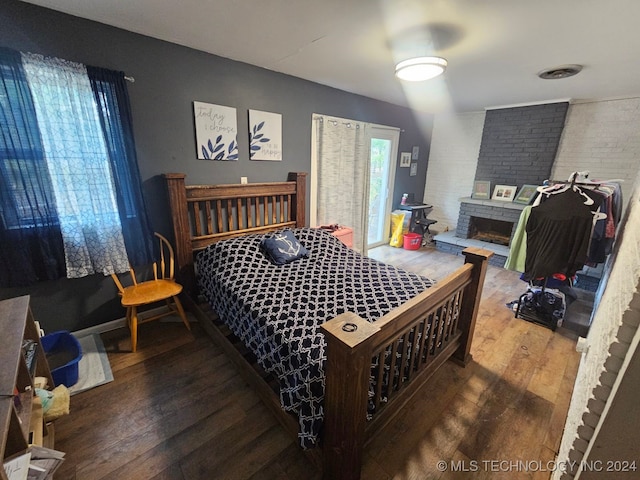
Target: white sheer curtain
<point>78,164</point>
<point>342,175</point>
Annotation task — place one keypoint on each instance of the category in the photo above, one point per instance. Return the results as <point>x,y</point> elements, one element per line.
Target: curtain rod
<point>129,79</point>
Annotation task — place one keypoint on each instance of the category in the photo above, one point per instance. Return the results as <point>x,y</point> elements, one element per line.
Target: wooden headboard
<point>205,214</point>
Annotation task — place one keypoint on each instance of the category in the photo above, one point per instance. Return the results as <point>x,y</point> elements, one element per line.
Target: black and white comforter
<point>276,310</point>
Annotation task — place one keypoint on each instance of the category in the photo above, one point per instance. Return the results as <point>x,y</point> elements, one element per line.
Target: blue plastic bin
<point>63,354</point>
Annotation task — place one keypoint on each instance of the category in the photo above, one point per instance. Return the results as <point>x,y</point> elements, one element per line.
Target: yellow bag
<point>398,229</point>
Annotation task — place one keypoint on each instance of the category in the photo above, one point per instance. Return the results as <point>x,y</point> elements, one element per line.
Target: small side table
<point>342,233</point>
<point>419,222</point>
<point>345,235</point>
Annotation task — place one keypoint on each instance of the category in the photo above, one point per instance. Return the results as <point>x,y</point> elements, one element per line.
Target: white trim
<point>605,99</point>
<point>122,322</point>
<point>384,127</point>
<point>102,328</point>
<point>529,104</point>
<point>393,135</point>
<point>313,181</point>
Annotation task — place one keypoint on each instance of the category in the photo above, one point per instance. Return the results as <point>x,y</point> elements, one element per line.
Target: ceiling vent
<point>563,71</point>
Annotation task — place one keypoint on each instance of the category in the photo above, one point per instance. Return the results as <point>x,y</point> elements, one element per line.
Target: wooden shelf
<point>23,411</point>
<point>21,415</point>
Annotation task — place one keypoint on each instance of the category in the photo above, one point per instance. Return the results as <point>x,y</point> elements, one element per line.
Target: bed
<point>335,343</point>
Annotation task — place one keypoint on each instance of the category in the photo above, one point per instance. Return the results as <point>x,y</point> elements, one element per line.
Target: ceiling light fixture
<point>420,68</point>
<point>562,71</point>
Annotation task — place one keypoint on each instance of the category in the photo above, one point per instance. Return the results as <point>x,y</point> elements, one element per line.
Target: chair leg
<point>181,312</point>
<point>133,327</point>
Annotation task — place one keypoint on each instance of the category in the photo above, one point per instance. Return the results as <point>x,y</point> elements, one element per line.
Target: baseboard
<point>122,322</point>
<point>102,328</point>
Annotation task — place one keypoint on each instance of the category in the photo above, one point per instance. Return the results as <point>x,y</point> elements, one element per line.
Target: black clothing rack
<point>524,309</point>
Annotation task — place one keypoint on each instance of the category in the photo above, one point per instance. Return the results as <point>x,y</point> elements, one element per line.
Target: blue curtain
<point>31,247</point>
<point>112,98</point>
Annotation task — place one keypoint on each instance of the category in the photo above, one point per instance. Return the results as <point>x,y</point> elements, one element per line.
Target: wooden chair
<point>162,287</point>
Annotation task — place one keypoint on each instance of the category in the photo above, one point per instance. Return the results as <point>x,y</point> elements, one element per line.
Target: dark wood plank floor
<point>178,410</point>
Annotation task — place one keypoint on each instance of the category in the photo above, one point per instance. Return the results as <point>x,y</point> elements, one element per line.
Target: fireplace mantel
<point>493,203</point>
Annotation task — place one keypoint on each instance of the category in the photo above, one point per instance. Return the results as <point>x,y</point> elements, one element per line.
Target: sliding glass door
<point>382,167</point>
<point>352,174</point>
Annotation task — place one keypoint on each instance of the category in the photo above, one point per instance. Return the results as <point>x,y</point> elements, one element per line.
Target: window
<point>68,169</point>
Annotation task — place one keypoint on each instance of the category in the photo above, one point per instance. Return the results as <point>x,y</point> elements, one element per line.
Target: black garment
<point>558,233</point>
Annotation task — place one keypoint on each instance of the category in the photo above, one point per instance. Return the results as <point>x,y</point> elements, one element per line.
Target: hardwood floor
<point>178,410</point>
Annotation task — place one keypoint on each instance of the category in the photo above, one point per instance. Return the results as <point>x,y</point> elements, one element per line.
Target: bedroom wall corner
<point>453,158</point>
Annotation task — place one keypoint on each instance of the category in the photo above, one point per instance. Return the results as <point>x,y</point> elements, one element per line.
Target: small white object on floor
<point>93,368</point>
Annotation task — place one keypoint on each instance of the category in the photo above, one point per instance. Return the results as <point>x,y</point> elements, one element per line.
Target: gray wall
<point>519,144</point>
<point>168,78</point>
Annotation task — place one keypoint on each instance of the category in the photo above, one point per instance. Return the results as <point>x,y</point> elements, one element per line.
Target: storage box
<point>63,354</point>
<point>345,235</point>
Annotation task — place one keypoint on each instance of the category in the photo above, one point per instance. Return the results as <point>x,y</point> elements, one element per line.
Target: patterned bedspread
<point>276,310</point>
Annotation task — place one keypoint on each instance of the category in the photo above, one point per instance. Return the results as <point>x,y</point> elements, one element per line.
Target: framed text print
<point>265,135</point>
<point>216,131</point>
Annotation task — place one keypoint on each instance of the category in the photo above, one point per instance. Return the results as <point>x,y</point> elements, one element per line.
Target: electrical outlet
<point>244,180</point>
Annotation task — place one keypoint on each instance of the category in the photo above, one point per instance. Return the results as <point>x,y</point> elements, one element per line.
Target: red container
<point>412,241</point>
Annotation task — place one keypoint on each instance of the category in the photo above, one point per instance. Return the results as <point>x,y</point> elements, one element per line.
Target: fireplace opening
<point>490,230</point>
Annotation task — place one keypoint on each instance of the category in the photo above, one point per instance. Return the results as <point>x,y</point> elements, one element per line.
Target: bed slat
<point>219,214</point>
<point>273,209</point>
<point>196,218</point>
<point>209,218</point>
<point>249,212</point>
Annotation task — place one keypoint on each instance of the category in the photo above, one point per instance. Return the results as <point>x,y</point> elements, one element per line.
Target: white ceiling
<point>494,48</point>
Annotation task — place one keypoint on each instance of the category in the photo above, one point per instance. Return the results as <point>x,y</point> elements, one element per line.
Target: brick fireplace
<point>471,209</point>
<point>518,147</point>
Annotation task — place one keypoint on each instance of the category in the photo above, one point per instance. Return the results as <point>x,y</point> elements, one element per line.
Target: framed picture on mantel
<point>526,194</point>
<point>504,193</point>
<point>481,190</point>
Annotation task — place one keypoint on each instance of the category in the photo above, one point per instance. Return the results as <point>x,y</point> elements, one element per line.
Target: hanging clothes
<point>570,225</point>
<point>604,230</point>
<point>518,245</point>
<point>558,235</point>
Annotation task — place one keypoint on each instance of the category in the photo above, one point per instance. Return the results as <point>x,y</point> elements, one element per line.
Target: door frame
<point>393,134</point>
<point>313,181</point>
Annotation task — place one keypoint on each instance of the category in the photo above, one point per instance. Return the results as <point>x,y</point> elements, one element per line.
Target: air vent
<point>563,71</point>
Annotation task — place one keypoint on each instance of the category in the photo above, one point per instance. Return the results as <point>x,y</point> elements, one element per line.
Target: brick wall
<point>452,162</point>
<point>468,210</point>
<point>604,138</point>
<point>519,144</point>
<point>601,136</point>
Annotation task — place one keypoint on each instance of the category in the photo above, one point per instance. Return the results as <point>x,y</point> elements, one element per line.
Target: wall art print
<point>265,135</point>
<point>216,131</point>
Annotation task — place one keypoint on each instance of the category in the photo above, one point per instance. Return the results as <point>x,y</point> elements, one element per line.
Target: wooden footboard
<point>407,345</point>
<point>412,341</point>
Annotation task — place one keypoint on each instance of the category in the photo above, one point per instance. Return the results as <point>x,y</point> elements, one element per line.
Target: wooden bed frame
<point>204,214</point>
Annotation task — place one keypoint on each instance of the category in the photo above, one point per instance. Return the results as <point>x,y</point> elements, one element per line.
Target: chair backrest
<point>162,269</point>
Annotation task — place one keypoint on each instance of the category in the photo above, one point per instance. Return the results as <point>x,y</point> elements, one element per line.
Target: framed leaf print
<point>216,131</point>
<point>265,135</point>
